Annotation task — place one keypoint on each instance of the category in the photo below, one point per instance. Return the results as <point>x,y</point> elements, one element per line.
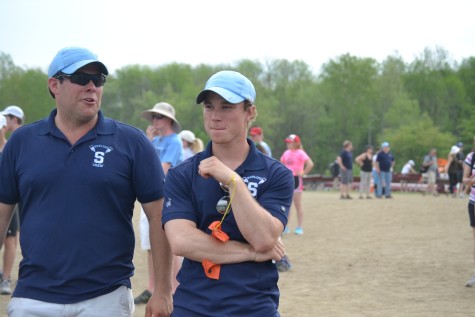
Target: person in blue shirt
<point>76,176</point>
<point>225,209</point>
<point>345,161</point>
<point>162,132</point>
<point>384,165</point>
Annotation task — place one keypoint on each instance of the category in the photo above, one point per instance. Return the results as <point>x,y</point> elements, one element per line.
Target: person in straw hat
<point>162,132</point>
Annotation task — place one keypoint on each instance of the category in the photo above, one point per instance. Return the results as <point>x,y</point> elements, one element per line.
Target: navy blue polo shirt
<point>244,289</point>
<point>77,238</point>
<point>347,159</point>
<point>385,160</point>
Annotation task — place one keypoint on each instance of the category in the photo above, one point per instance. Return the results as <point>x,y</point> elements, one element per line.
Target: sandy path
<point>409,256</point>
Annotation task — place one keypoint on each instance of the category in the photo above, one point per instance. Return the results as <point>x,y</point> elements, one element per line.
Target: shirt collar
<point>103,126</point>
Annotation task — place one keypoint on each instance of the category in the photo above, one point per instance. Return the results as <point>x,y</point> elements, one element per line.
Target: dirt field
<point>409,256</point>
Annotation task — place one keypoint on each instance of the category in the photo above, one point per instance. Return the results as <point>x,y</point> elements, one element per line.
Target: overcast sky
<point>156,32</point>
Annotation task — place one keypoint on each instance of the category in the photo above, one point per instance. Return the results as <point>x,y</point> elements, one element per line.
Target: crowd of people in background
<point>376,172</point>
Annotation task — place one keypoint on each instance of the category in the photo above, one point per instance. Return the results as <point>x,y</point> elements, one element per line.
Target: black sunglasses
<point>158,116</point>
<point>83,78</point>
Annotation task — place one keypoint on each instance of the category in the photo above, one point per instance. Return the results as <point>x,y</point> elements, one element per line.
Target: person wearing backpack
<point>335,173</point>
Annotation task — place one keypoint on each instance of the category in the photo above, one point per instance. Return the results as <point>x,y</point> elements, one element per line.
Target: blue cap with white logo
<point>231,85</point>
<point>70,59</point>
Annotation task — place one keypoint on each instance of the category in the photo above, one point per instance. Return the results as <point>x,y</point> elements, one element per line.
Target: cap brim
<point>74,67</point>
<point>226,94</point>
<point>10,113</point>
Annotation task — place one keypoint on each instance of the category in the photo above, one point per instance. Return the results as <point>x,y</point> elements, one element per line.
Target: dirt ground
<point>408,256</point>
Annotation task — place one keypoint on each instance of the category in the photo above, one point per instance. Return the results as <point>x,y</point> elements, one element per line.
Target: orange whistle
<point>211,270</point>
<point>216,231</point>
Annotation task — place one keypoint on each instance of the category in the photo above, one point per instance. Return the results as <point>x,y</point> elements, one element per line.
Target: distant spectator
<point>191,144</point>
<point>365,162</point>
<point>162,132</point>
<point>376,178</point>
<point>430,162</point>
<point>14,117</point>
<point>298,161</point>
<point>451,168</point>
<point>407,169</point>
<point>469,181</point>
<point>3,130</point>
<point>345,160</point>
<point>460,159</point>
<point>257,136</point>
<point>384,165</point>
<point>335,173</point>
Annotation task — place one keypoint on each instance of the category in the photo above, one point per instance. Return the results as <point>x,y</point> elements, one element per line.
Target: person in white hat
<point>15,117</point>
<point>408,168</point>
<point>11,119</point>
<point>191,144</point>
<point>451,168</point>
<point>162,132</point>
<point>3,129</point>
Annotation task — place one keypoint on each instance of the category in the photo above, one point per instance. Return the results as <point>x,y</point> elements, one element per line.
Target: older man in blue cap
<point>76,176</point>
<point>225,210</point>
<point>384,165</point>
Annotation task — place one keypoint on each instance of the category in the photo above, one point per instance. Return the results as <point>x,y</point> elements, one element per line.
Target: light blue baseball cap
<point>70,59</point>
<point>385,144</point>
<point>231,85</point>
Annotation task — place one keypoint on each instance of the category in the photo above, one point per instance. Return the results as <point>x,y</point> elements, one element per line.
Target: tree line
<point>427,103</point>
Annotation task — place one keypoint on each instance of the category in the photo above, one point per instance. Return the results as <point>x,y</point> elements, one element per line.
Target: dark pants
<point>453,180</point>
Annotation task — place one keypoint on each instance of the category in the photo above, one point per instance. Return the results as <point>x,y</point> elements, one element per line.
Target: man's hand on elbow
<point>276,253</point>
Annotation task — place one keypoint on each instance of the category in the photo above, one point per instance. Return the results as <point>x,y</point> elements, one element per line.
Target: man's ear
<point>53,86</point>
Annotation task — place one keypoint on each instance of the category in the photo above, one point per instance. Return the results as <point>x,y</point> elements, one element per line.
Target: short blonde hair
<point>247,105</point>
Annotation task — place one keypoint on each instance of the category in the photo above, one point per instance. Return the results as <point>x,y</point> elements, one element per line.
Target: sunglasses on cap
<point>158,116</point>
<point>84,78</point>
